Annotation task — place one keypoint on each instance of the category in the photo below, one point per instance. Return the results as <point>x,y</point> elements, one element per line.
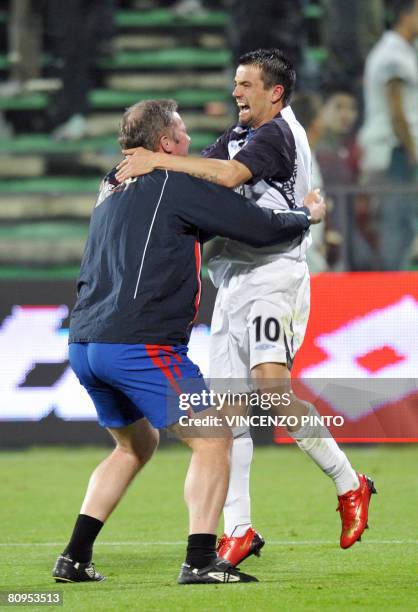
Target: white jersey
<point>279,158</point>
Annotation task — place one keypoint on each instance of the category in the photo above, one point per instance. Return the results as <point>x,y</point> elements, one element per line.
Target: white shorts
<point>260,316</point>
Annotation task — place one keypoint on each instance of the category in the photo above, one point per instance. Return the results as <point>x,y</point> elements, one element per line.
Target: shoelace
<point>229,569</point>
<point>91,565</point>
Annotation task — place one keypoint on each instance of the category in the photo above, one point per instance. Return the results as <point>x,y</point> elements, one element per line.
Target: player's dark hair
<point>396,8</point>
<point>144,123</point>
<point>276,69</point>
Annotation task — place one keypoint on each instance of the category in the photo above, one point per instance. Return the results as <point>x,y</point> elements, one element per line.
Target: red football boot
<point>236,550</point>
<point>354,511</point>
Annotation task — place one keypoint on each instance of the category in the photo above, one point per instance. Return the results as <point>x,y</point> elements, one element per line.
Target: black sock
<point>201,549</point>
<point>86,530</point>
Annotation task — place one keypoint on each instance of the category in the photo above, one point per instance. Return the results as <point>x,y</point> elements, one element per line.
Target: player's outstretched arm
<point>139,161</point>
<point>222,212</point>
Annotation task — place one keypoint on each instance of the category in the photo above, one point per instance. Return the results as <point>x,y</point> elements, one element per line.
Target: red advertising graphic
<point>360,355</point>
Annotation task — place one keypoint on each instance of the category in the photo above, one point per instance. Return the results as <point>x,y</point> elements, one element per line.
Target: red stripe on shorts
<point>163,362</point>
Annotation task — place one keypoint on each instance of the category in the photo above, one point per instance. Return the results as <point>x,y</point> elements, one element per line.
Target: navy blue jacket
<point>139,281</point>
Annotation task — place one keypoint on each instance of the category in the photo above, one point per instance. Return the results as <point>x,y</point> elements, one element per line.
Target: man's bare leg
<point>135,445</point>
<point>206,482</point>
<point>205,491</point>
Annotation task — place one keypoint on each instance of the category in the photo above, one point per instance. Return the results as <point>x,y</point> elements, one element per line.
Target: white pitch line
<point>182,543</point>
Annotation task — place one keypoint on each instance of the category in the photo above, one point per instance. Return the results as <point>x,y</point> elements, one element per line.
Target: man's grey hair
<point>144,123</point>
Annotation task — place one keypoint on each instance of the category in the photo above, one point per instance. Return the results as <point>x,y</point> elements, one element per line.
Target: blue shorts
<point>128,382</point>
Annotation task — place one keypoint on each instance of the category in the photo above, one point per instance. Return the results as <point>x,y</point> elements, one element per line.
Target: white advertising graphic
<point>31,336</point>
<point>390,332</point>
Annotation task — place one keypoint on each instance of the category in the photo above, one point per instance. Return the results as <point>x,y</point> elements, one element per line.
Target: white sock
<point>237,509</point>
<point>317,442</point>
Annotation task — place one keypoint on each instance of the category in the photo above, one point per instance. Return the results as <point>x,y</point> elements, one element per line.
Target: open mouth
<point>243,107</point>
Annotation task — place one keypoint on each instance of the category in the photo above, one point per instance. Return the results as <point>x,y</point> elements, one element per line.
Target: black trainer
<point>67,570</point>
<point>214,573</point>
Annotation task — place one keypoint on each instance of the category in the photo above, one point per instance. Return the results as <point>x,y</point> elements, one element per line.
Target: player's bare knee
<point>271,378</point>
<point>137,456</point>
<point>270,372</point>
<point>137,441</point>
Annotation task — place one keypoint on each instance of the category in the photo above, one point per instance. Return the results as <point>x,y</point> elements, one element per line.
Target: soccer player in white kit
<point>262,306</point>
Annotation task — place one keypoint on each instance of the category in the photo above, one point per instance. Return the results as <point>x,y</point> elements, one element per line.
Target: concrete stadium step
<point>51,185</point>
<point>44,144</point>
<point>187,98</point>
<point>169,82</point>
<point>133,42</point>
<point>24,102</point>
<point>146,41</point>
<point>39,272</point>
<point>49,230</point>
<point>109,98</point>
<point>165,18</point>
<point>169,58</point>
<point>46,206</point>
<point>39,251</point>
<point>28,166</point>
<point>42,242</point>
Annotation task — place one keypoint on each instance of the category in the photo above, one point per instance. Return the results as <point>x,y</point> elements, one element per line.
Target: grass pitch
<point>142,546</point>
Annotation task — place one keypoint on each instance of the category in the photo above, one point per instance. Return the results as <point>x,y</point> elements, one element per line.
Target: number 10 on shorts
<point>266,329</point>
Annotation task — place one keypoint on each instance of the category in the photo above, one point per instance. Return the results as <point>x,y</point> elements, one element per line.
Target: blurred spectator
<point>24,51</point>
<point>338,156</point>
<point>336,148</point>
<point>79,30</point>
<point>389,136</point>
<point>350,30</point>
<point>25,40</point>
<point>308,110</point>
